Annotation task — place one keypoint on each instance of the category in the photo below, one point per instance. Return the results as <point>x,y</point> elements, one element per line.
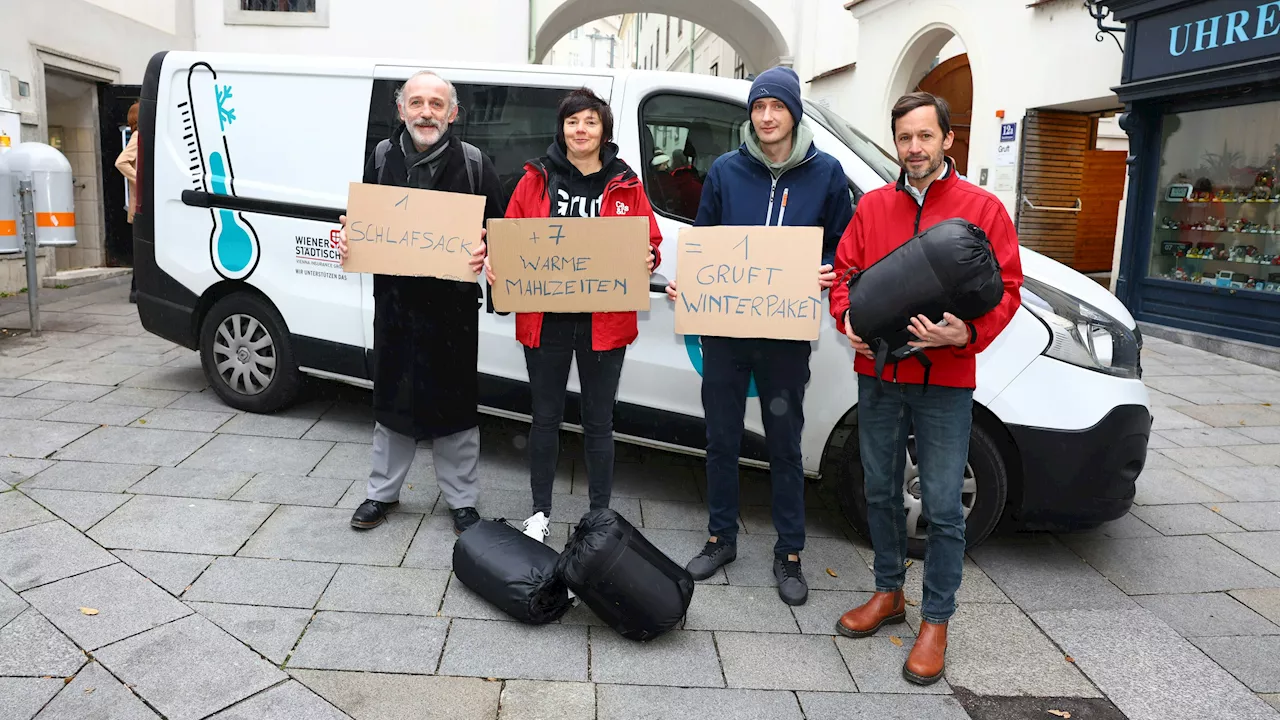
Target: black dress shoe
<point>464,518</point>
<point>371,513</point>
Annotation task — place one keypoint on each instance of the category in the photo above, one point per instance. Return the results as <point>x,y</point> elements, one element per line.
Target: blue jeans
<point>781,369</point>
<point>941,418</point>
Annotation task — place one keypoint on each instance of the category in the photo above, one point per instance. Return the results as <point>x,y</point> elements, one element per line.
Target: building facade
<point>596,45</point>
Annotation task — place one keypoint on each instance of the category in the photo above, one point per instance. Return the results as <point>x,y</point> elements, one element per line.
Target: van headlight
<point>1080,333</point>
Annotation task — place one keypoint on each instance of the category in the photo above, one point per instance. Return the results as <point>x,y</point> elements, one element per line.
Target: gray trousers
<point>455,457</point>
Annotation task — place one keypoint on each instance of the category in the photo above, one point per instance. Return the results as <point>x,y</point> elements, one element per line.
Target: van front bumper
<point>1078,479</point>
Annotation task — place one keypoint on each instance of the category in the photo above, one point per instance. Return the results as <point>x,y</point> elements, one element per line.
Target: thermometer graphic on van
<point>206,115</point>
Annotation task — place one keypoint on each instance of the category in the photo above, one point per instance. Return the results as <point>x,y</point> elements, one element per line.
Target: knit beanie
<point>782,83</point>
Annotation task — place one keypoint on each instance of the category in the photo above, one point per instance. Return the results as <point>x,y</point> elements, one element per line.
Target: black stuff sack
<point>949,267</point>
<point>626,581</point>
<point>511,570</point>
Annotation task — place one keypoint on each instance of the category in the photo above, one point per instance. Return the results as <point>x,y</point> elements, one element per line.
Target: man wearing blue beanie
<point>777,177</point>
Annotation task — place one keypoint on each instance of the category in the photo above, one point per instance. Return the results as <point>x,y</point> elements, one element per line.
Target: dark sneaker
<point>464,518</point>
<point>792,587</point>
<point>714,555</point>
<point>371,513</point>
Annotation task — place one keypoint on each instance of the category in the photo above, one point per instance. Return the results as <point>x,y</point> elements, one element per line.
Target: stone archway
<point>751,26</point>
<point>952,79</point>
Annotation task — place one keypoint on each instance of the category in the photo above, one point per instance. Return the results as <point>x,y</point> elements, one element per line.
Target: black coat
<point>425,330</point>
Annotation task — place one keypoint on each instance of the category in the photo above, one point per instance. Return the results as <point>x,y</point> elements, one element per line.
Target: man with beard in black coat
<point>425,330</point>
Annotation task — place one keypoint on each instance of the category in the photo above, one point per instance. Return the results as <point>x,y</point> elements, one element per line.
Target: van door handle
<point>657,284</point>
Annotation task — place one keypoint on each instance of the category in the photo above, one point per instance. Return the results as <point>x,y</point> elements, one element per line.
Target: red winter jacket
<point>889,216</point>
<point>623,195</point>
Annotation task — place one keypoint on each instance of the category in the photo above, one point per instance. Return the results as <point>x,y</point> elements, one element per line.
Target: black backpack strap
<point>928,366</point>
<point>882,357</point>
<point>380,158</point>
<point>475,165</point>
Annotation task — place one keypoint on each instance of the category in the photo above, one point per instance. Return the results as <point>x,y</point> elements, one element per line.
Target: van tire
<point>988,500</point>
<point>253,337</point>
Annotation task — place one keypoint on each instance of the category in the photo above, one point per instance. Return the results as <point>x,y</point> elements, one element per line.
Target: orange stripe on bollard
<point>8,227</point>
<point>55,220</point>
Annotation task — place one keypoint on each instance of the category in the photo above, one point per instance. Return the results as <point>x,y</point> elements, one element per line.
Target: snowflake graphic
<point>226,115</point>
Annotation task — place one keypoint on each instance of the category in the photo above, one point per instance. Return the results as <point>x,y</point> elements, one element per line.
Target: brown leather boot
<point>928,657</point>
<point>884,608</point>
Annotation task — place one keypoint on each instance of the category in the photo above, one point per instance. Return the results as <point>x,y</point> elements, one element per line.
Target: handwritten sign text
<point>403,231</point>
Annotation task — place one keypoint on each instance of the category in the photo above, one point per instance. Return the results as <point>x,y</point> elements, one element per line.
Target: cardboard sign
<point>749,282</point>
<point>405,231</point>
<point>570,264</point>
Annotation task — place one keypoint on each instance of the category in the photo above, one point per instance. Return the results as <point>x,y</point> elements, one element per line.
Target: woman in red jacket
<point>580,176</point>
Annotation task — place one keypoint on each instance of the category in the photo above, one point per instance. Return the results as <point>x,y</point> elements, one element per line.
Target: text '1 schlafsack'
<point>949,267</point>
<point>511,570</point>
<point>626,581</point>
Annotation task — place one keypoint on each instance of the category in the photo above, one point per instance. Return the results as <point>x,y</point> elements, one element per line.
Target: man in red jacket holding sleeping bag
<point>928,191</point>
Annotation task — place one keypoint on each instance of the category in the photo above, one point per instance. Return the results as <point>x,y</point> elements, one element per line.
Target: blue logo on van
<point>693,346</point>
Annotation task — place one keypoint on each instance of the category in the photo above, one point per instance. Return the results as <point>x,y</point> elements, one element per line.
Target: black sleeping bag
<point>949,267</point>
<point>625,580</point>
<point>511,570</point>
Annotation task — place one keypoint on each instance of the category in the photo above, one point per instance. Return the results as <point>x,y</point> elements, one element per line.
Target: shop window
<point>1217,218</point>
<point>305,13</point>
<point>684,136</point>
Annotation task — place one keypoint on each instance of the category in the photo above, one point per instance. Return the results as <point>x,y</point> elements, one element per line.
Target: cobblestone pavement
<point>214,547</point>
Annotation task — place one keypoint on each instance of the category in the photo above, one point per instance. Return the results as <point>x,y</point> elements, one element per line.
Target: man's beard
<point>934,164</point>
<point>427,131</point>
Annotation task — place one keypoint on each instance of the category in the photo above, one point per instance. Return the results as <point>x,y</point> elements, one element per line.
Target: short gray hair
<point>453,91</point>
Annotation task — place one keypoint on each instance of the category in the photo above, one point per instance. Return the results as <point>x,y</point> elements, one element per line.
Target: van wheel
<point>985,488</point>
<point>245,351</point>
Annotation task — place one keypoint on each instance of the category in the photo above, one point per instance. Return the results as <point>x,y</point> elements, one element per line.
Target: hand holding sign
<point>402,231</point>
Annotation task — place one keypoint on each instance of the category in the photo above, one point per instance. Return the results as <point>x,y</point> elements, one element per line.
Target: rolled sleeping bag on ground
<point>511,570</point>
<point>626,581</point>
<point>949,267</point>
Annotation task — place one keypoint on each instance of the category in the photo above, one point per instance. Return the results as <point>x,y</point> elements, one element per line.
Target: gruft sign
<point>570,264</point>
<point>753,282</point>
<point>403,231</point>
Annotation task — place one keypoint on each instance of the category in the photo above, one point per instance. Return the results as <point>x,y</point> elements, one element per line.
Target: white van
<point>244,172</point>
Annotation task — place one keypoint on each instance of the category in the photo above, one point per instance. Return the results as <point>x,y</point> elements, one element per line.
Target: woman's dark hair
<point>577,101</point>
<point>132,118</point>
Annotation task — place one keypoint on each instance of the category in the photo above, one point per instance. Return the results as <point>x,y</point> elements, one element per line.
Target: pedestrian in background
<point>127,164</point>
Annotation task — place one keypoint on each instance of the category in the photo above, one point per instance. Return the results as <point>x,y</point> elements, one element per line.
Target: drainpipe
<point>637,34</point>
<point>693,32</point>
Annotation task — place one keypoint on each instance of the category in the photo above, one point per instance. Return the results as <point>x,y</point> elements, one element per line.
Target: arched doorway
<point>952,79</point>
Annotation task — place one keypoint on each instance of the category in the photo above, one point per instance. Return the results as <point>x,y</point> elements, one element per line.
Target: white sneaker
<point>537,527</point>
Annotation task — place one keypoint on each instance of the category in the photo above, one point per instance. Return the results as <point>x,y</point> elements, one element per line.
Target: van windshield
<point>884,164</point>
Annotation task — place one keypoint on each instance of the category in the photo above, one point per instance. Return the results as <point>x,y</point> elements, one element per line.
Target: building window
<point>668,34</point>
<point>658,42</point>
<point>715,69</point>
<point>304,13</point>
<point>679,27</point>
<point>1218,206</point>
<point>740,72</point>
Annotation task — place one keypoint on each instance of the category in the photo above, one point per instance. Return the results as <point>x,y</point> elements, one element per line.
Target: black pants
<point>598,374</point>
<point>781,370</point>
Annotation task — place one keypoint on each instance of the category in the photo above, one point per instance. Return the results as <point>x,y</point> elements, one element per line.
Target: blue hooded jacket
<point>741,190</point>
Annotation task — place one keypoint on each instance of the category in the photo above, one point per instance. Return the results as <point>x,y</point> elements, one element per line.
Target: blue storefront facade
<point>1201,88</point>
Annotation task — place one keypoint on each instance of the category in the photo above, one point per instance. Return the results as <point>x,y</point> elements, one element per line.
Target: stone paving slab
<point>745,609</point>
<point>352,461</point>
<point>11,606</point>
<point>1165,418</point>
<point>172,571</point>
<point>189,668</point>
<point>37,438</point>
<point>782,662</point>
<point>271,631</point>
<point>637,481</point>
<point>399,591</point>
<point>340,432</point>
<point>1162,566</point>
<point>629,702</point>
<point>1262,548</point>
<point>256,455</point>
<point>98,413</point>
<point>22,698</point>
<point>96,695</point>
<point>188,525</point>
<point>516,505</point>
<point>251,581</point>
<point>1048,577</point>
<point>1245,484</point>
<point>1206,437</point>
<point>135,446</point>
<point>845,706</point>
<point>1265,435</point>
<point>503,469</point>
<point>1168,487</point>
<point>461,601</point>
<point>127,604</point>
<point>415,497</point>
<point>542,700</point>
<point>88,477</point>
<point>31,646</point>
<point>167,378</point>
<point>326,535</point>
<point>290,701</point>
<point>1210,457</point>
<point>273,426</point>
<point>876,665</point>
<point>433,545</point>
<point>1255,661</point>
<point>1185,519</point>
<point>371,696</point>
<point>483,648</point>
<point>293,490</point>
<point>142,397</point>
<point>1264,601</point>
<point>681,658</point>
<point>11,387</point>
<point>975,585</point>
<point>89,373</point>
<point>754,565</point>
<point>45,553</point>
<point>1232,416</point>
<point>667,515</point>
<point>996,650</point>
<point>28,408</point>
<point>189,483</point>
<point>189,420</point>
<point>1258,454</point>
<point>17,367</point>
<point>821,612</point>
<point>682,545</point>
<point>1158,676</point>
<point>16,470</point>
<point>372,643</point>
<point>205,400</point>
<point>18,511</point>
<point>1256,516</point>
<point>82,509</point>
<point>1207,615</point>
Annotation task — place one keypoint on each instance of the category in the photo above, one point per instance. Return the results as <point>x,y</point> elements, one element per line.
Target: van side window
<point>680,137</point>
<point>511,124</point>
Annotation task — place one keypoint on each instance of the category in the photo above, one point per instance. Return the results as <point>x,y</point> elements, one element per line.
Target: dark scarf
<point>424,167</point>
